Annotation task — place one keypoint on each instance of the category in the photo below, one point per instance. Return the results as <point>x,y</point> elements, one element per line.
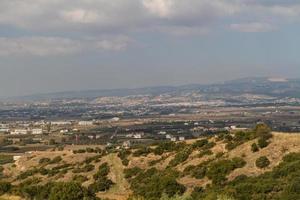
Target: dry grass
<point>10,197</point>
<point>121,189</point>
<point>281,144</point>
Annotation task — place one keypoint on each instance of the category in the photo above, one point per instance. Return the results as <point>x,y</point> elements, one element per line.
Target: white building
<point>60,123</point>
<point>126,144</point>
<point>64,131</point>
<point>162,133</point>
<point>137,136</point>
<point>181,138</point>
<point>168,136</point>
<point>173,139</point>
<point>19,132</point>
<point>16,158</point>
<point>4,130</point>
<point>37,131</point>
<point>115,119</point>
<point>85,123</point>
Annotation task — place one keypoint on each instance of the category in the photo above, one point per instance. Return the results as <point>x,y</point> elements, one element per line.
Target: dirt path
<point>121,190</point>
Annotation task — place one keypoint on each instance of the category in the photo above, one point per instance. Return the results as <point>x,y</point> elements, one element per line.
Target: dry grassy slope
<point>281,144</point>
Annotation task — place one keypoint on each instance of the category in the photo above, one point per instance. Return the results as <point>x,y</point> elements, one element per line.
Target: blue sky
<point>58,45</point>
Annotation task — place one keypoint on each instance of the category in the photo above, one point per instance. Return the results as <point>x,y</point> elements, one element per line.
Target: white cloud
<point>252,27</point>
<point>95,18</point>
<point>107,15</point>
<point>161,8</point>
<point>80,16</point>
<point>53,46</point>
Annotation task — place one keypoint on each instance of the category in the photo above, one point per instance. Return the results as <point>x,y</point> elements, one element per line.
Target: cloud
<point>252,27</point>
<point>99,18</point>
<point>80,16</point>
<point>103,16</point>
<point>55,46</point>
<point>162,8</point>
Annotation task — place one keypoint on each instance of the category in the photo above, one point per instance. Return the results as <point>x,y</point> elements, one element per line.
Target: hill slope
<point>201,169</point>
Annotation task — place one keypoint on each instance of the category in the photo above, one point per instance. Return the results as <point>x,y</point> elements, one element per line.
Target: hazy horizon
<point>55,46</point>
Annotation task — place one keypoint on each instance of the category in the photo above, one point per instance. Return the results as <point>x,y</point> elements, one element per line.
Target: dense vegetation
<point>283,183</point>
<point>102,183</point>
<point>152,184</point>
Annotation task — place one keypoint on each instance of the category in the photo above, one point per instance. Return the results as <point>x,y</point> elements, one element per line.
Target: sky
<point>61,45</point>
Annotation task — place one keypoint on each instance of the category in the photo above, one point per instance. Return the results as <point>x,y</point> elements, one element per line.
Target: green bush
<point>282,183</point>
<point>168,147</point>
<point>217,171</point>
<point>254,147</point>
<point>204,153</point>
<point>199,172</point>
<point>102,183</point>
<point>200,143</point>
<point>89,160</point>
<point>86,168</point>
<point>181,156</point>
<point>131,172</point>
<point>80,178</point>
<point>55,160</point>
<point>262,143</point>
<point>152,184</point>
<point>4,159</point>
<point>44,160</point>
<point>4,187</point>
<point>142,151</point>
<point>70,191</point>
<point>262,162</point>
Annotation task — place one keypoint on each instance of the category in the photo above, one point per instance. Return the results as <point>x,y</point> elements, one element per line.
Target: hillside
<point>279,88</point>
<point>253,164</point>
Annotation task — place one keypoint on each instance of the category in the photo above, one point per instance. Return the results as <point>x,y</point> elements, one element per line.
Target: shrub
<point>69,191</point>
<point>131,172</point>
<point>123,156</point>
<point>4,159</point>
<point>168,147</point>
<point>205,152</point>
<point>79,151</point>
<point>55,160</point>
<point>200,143</point>
<point>93,158</point>
<point>254,147</point>
<point>143,151</point>
<point>181,156</point>
<point>102,183</point>
<point>4,187</point>
<point>86,168</point>
<point>262,143</point>
<point>291,157</point>
<point>152,184</point>
<point>102,171</point>
<point>262,162</point>
<point>199,172</point>
<point>80,178</point>
<point>217,171</point>
<point>44,160</point>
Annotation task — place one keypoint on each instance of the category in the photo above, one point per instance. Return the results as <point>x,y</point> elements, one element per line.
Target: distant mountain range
<point>275,87</point>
